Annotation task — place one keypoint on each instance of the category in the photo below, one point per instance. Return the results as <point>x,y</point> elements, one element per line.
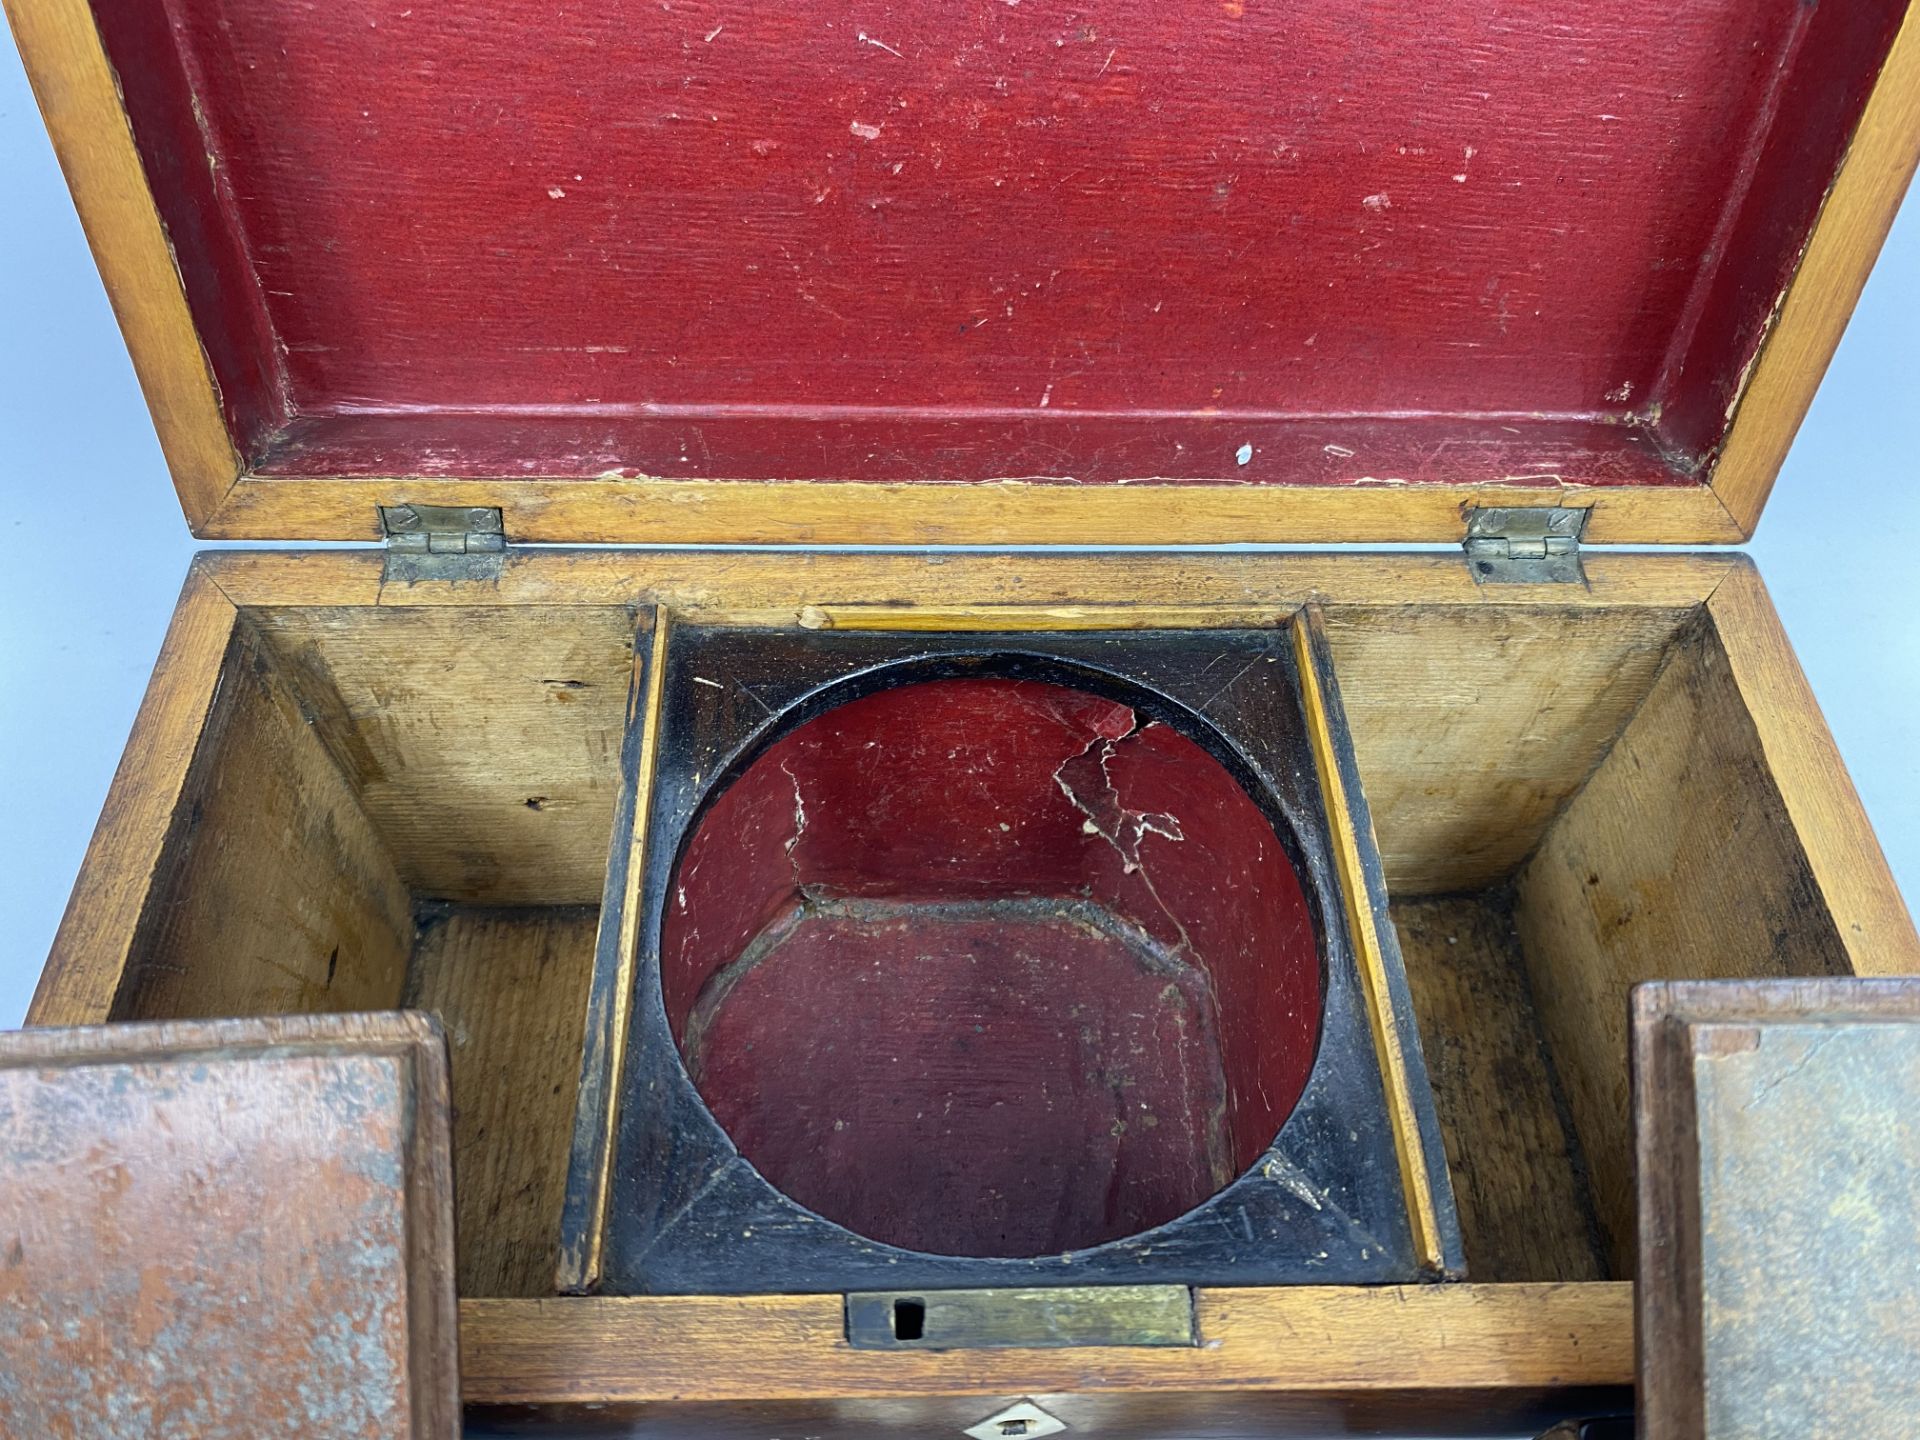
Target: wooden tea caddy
<point>476,282</point>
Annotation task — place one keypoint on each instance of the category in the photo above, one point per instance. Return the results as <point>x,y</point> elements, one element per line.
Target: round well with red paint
<point>992,967</point>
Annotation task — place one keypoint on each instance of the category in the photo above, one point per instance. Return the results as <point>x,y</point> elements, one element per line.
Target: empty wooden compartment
<point>385,807</point>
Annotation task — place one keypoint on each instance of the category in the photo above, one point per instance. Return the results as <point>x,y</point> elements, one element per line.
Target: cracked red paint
<point>991,967</point>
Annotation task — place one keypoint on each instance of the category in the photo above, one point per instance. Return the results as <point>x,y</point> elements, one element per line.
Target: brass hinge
<point>1526,545</point>
<point>443,542</point>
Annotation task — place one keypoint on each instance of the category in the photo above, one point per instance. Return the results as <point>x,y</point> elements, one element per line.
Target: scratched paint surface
<point>1810,1227</point>
<point>1362,239</point>
<point>992,967</point>
<point>204,1248</point>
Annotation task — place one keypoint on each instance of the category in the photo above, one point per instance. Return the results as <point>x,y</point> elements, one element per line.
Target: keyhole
<point>910,1323</point>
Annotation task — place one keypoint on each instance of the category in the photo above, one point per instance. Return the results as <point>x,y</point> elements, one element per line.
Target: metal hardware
<point>1046,1319</point>
<point>443,542</point>
<point>1024,1421</point>
<point>1517,545</point>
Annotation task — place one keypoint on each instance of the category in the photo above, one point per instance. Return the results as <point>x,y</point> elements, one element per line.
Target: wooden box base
<point>343,793</point>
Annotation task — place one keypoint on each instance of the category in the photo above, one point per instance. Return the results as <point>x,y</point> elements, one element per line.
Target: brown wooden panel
<point>1294,1339</point>
<point>510,986</point>
<point>1519,1178</point>
<point>656,511</point>
<point>1474,724</point>
<point>83,973</point>
<point>1678,860</point>
<point>1777,1143</point>
<point>227,1229</point>
<point>780,585</point>
<point>273,892</point>
<point>483,741</point>
<point>1798,750</point>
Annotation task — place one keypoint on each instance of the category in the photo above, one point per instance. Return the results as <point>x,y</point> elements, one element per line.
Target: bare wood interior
<point>484,744</point>
<point>1520,1179</point>
<point>410,807</point>
<point>1675,861</point>
<point>413,803</point>
<point>510,986</point>
<point>274,892</point>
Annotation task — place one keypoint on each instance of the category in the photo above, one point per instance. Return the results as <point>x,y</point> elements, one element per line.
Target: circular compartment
<point>992,967</point>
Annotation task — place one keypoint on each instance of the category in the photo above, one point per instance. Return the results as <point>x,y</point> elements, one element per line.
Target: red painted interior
<point>1374,240</point>
<point>992,967</point>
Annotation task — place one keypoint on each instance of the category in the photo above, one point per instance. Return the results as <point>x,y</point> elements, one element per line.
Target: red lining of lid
<point>953,242</point>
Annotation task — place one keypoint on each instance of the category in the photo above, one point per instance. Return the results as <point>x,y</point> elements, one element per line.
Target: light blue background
<point>97,548</point>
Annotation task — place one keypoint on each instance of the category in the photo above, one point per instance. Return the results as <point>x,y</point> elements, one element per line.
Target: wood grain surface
<point>275,892</point>
<point>82,974</point>
<point>778,586</point>
<point>1474,725</point>
<point>1298,1338</point>
<point>483,741</point>
<point>509,986</point>
<point>646,509</point>
<point>1869,915</point>
<point>1677,860</point>
<point>1520,1179</point>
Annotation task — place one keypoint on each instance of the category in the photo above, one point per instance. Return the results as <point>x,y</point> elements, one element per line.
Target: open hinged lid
<point>993,272</point>
<point>228,1228</point>
<point>1777,1138</point>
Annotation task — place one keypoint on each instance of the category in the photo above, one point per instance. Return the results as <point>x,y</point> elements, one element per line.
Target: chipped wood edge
<point>79,98</point>
<point>590,1351</point>
<point>993,512</point>
<point>1848,866</point>
<point>89,955</point>
<point>1311,656</point>
<point>1826,285</point>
